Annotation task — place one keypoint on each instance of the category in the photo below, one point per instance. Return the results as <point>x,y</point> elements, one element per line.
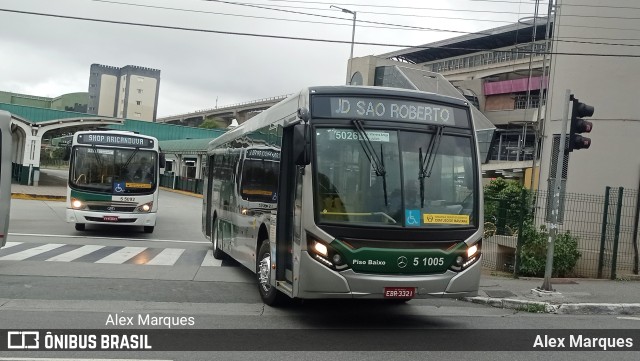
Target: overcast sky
<point>50,56</point>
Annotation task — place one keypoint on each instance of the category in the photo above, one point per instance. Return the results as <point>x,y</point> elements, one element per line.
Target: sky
<point>208,62</point>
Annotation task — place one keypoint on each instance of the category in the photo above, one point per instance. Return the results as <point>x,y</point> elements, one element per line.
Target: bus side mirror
<point>67,154</point>
<point>163,160</point>
<point>301,144</point>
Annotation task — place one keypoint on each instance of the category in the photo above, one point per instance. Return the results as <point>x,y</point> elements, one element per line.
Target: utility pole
<point>555,202</point>
<point>353,37</point>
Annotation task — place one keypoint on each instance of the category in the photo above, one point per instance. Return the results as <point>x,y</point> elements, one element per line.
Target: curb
<point>560,309</point>
<point>38,197</point>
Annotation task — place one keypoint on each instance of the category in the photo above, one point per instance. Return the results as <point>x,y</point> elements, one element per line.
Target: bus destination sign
<point>115,140</point>
<point>389,110</point>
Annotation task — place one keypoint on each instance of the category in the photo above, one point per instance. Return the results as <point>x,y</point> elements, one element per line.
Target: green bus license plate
<point>399,292</point>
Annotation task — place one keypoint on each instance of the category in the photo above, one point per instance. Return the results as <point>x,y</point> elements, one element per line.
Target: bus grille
<point>110,208</point>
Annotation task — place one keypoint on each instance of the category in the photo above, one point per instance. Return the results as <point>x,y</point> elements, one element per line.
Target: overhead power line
<point>380,6</point>
<point>292,37</point>
<point>390,26</point>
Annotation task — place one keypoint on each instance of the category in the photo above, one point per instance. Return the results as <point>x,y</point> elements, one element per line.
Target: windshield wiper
<point>426,163</point>
<point>369,151</point>
<point>98,159</point>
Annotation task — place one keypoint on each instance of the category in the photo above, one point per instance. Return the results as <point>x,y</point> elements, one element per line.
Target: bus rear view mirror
<point>67,154</point>
<point>301,144</point>
<point>163,160</point>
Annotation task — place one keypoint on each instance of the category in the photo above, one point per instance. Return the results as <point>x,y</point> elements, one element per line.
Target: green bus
<point>350,192</point>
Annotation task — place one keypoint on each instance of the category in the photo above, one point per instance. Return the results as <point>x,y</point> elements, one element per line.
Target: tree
<point>213,123</point>
<point>504,207</point>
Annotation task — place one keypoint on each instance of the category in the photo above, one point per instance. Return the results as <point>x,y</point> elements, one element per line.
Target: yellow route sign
<point>138,185</point>
<point>430,218</point>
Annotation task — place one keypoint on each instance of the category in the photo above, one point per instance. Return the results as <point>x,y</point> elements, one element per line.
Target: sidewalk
<point>576,296</point>
<point>50,188</point>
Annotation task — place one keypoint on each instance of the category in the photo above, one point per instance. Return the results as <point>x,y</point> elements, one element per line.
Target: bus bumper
<point>318,281</point>
<point>123,219</point>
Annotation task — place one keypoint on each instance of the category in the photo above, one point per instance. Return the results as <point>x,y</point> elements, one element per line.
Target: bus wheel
<point>215,239</point>
<point>79,226</point>
<point>148,229</point>
<point>269,294</point>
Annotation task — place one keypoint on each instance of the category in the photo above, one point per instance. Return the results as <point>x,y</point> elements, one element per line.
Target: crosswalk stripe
<point>19,256</point>
<point>167,257</point>
<point>122,255</point>
<point>75,254</point>
<point>11,244</point>
<point>209,261</point>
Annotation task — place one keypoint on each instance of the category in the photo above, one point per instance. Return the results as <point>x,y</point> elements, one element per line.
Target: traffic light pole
<point>555,203</point>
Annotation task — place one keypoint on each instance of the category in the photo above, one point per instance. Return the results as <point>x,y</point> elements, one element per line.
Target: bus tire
<point>148,229</point>
<point>80,227</point>
<point>269,294</point>
<point>215,240</point>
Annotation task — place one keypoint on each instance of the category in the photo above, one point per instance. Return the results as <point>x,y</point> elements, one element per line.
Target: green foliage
<point>213,123</point>
<point>504,207</point>
<point>533,256</point>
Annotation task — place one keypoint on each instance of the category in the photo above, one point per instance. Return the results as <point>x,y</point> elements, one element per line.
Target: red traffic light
<point>580,142</point>
<point>578,125</point>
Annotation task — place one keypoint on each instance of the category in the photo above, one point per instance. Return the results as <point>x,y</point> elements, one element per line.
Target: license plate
<point>399,292</point>
<point>109,218</point>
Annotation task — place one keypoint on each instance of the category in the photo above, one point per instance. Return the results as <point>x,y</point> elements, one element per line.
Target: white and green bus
<point>113,179</point>
<point>5,174</point>
<point>350,192</point>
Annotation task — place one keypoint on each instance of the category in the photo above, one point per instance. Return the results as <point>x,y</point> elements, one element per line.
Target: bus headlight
<point>325,254</point>
<point>469,257</point>
<point>145,207</point>
<point>77,204</point>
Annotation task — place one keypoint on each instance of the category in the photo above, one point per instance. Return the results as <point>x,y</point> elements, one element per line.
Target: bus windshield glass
<point>112,170</point>
<point>350,190</point>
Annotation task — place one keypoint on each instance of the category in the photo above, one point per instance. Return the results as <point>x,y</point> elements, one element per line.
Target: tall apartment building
<point>129,92</point>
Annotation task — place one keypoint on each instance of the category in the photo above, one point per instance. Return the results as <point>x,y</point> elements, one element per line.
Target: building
<point>519,75</point>
<point>129,92</point>
<point>73,102</point>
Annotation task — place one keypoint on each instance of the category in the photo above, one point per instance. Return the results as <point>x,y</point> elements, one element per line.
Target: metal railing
<point>604,227</point>
<point>231,106</point>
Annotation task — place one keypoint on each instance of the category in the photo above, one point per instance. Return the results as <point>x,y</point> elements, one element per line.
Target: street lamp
<point>353,36</point>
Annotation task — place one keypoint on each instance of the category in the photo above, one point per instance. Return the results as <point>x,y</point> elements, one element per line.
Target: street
<point>53,277</point>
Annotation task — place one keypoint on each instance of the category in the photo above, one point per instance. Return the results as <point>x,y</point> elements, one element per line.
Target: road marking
<point>11,244</point>
<point>629,318</point>
<point>114,238</point>
<point>75,254</point>
<point>167,257</point>
<point>19,256</point>
<point>122,255</point>
<point>209,261</point>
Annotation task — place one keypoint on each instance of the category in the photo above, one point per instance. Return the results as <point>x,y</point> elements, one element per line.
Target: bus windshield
<point>349,190</point>
<point>113,170</point>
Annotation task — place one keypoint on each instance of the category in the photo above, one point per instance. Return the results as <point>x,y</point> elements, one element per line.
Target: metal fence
<point>606,228</point>
<point>187,184</point>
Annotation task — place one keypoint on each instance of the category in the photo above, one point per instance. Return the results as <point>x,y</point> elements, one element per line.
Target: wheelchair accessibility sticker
<point>430,218</point>
<point>412,217</point>
<point>118,187</point>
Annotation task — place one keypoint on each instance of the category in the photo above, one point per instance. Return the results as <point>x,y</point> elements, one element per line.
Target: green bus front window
<point>351,190</point>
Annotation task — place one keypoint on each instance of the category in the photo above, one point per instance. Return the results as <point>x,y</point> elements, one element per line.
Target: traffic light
<point>579,125</point>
